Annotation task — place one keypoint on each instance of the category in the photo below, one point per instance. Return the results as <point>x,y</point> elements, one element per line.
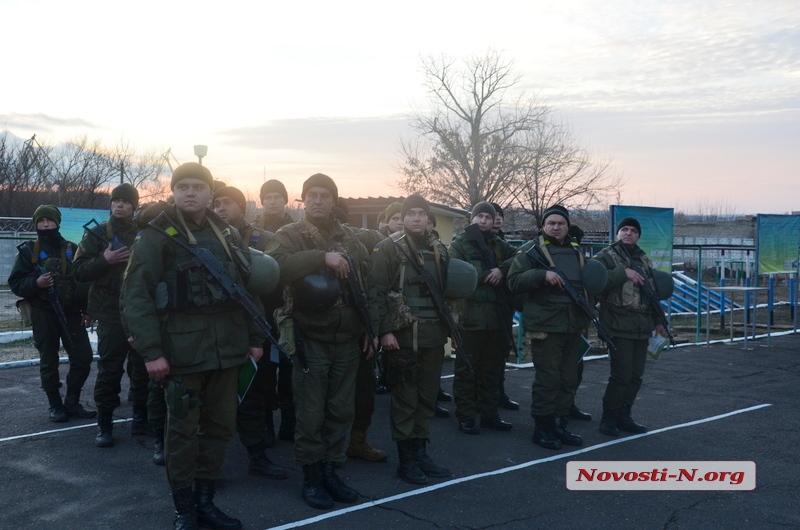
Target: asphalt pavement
<point>716,403</point>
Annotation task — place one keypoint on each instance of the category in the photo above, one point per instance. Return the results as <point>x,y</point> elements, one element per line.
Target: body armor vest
<point>190,287</point>
<point>566,260</point>
<point>416,292</point>
<point>630,296</point>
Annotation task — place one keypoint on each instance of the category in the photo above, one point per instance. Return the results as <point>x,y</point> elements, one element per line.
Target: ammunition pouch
<point>399,312</point>
<point>180,400</point>
<point>286,331</point>
<point>400,368</point>
<point>24,308</point>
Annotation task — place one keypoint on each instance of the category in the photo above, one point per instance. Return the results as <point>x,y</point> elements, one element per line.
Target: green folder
<point>247,372</point>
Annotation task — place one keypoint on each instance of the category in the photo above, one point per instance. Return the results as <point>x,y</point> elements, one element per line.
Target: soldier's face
<point>273,203</point>
<point>628,235</point>
<point>319,202</point>
<point>498,222</point>
<point>396,222</point>
<point>556,226</point>
<point>192,196</point>
<point>415,221</point>
<point>45,224</point>
<point>228,210</point>
<point>121,209</point>
<point>484,221</point>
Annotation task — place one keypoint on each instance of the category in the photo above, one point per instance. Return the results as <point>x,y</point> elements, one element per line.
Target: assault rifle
<point>115,242</point>
<point>205,262</point>
<point>360,298</point>
<point>574,295</point>
<point>503,307</point>
<point>440,303</point>
<point>649,293</point>
<point>55,303</point>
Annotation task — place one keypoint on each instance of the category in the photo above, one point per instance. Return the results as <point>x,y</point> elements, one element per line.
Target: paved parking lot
<point>701,403</point>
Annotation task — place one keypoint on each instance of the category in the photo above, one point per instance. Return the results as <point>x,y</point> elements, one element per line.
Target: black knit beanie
<point>499,210</point>
<point>558,210</point>
<point>318,180</point>
<point>233,194</point>
<point>630,221</point>
<point>414,201</point>
<point>274,186</point>
<point>126,192</point>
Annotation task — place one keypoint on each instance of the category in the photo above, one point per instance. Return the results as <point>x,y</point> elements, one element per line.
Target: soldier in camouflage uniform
<point>486,342</point>
<point>55,255</point>
<point>101,258</point>
<point>553,322</point>
<point>412,334</point>
<point>627,316</point>
<point>327,330</point>
<point>274,199</point>
<point>253,421</point>
<point>194,339</point>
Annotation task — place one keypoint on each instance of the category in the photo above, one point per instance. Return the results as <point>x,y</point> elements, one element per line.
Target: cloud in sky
<point>701,92</point>
<point>43,123</point>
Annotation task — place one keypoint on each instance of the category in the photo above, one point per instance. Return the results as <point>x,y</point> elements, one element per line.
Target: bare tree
<point>480,142</point>
<point>471,146</point>
<point>562,171</point>
<point>145,170</point>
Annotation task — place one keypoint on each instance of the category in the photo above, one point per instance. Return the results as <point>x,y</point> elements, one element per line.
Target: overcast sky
<point>698,103</point>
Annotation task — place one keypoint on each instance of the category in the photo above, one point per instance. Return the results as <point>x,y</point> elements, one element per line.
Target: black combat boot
<point>626,423</point>
<point>336,488</point>
<point>608,423</point>
<point>577,414</point>
<point>288,422</point>
<point>506,403</point>
<point>208,515</point>
<point>543,432</point>
<point>139,424</point>
<point>408,469</point>
<point>73,406</point>
<point>57,412</point>
<point>185,515</point>
<point>443,396</point>
<point>440,412</point>
<point>261,465</point>
<point>269,439</point>
<point>158,448</point>
<point>105,426</point>
<point>314,493</point>
<point>425,462</point>
<point>561,432</point>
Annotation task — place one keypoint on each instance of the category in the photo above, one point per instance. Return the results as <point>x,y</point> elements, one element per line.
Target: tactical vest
<point>630,296</point>
<point>191,287</point>
<point>411,285</point>
<point>59,264</point>
<point>562,258</point>
<point>347,246</point>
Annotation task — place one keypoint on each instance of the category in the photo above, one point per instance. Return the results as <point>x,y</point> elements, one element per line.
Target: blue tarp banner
<point>777,240</point>
<point>657,231</point>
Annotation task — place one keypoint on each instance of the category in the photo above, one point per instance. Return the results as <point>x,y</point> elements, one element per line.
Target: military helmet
<point>594,276</point>
<point>664,284</point>
<point>264,273</point>
<point>462,279</point>
<point>317,291</point>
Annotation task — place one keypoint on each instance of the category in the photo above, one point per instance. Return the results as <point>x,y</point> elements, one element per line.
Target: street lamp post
<point>200,151</point>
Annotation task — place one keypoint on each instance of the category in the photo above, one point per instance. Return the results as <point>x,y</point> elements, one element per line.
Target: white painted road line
<point>560,456</point>
<point>65,429</point>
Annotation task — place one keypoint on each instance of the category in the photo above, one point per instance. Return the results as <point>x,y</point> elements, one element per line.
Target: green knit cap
<point>47,211</point>
<point>191,170</point>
